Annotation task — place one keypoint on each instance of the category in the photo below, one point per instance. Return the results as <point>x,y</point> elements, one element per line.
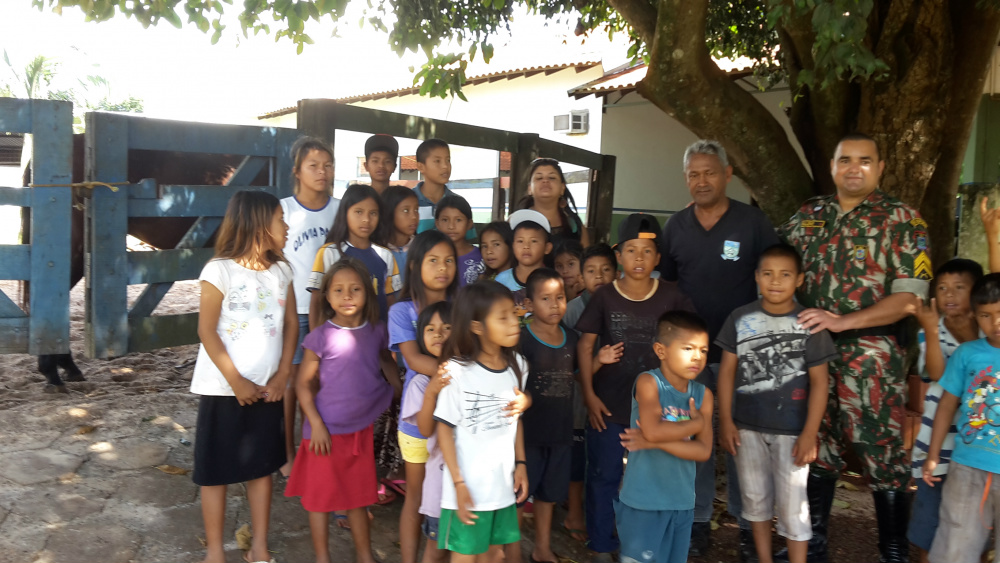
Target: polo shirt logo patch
<point>731,250</point>
<point>860,252</point>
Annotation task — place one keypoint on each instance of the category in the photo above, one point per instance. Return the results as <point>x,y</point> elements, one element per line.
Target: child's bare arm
<point>991,223</point>
<point>391,372</point>
<point>806,450</point>
<point>729,436</point>
<point>596,408</point>
<point>465,502</point>
<point>425,418</point>
<point>943,419</point>
<point>927,316</point>
<point>417,360</point>
<point>651,423</point>
<point>306,386</point>
<point>315,306</point>
<point>520,469</point>
<point>275,388</point>
<point>209,311</point>
<point>697,449</point>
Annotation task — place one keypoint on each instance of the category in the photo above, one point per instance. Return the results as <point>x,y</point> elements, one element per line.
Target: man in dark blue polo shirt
<point>711,248</point>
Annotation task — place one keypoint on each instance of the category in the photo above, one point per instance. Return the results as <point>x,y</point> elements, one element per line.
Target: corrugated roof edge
<point>626,77</point>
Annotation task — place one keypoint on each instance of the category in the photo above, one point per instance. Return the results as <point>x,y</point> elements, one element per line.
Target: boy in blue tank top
<point>671,430</point>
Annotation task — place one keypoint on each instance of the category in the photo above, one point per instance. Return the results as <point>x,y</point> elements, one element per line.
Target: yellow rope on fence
<point>87,185</point>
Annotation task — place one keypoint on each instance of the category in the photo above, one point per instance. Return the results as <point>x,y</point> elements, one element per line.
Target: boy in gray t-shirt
<point>778,373</point>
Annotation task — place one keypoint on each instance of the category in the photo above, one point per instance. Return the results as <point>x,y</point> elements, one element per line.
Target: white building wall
<point>649,146</point>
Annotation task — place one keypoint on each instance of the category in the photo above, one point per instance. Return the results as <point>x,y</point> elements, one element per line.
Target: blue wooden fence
<point>45,260</point>
<point>112,328</point>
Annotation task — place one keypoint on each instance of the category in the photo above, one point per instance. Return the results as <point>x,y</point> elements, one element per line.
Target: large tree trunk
<point>920,112</point>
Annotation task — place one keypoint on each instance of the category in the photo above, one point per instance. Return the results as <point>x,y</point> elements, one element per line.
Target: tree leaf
<point>172,469</point>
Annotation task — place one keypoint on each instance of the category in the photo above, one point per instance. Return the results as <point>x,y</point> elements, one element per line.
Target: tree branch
<point>640,14</point>
<point>684,82</point>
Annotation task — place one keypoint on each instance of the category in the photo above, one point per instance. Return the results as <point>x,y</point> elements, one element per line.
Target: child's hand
<point>805,450</point>
<point>319,444</point>
<point>521,482</point>
<point>438,383</point>
<point>275,389</point>
<point>927,315</point>
<point>729,436</point>
<point>520,403</point>
<point>610,354</point>
<point>247,392</point>
<point>465,504</point>
<point>597,411</point>
<point>696,416</point>
<point>930,464</point>
<point>633,440</point>
<point>991,220</point>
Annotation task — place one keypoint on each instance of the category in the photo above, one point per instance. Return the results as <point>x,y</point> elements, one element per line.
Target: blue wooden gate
<point>112,328</point>
<point>45,260</point>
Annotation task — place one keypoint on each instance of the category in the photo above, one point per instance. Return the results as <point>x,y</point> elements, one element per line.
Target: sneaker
<point>748,552</point>
<point>701,538</point>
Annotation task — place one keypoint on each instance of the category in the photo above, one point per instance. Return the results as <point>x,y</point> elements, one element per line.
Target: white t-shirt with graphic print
<point>251,323</point>
<point>484,436</point>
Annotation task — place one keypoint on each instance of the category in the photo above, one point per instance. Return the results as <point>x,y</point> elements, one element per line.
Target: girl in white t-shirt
<point>248,328</point>
<point>483,447</point>
<point>309,215</point>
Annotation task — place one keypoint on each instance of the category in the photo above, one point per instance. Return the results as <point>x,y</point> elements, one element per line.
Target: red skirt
<point>341,480</point>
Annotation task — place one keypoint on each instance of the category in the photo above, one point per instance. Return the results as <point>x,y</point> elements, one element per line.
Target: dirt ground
<point>99,474</point>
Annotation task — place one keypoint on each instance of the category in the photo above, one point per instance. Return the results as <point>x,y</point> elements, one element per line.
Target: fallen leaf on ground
<point>202,541</point>
<point>172,469</point>
<point>85,429</point>
<point>243,537</point>
<point>846,485</point>
<point>841,503</point>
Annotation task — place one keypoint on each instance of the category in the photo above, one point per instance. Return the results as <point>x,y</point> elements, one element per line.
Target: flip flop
<point>246,557</point>
<point>576,534</point>
<point>396,485</point>
<point>385,497</point>
<point>341,520</point>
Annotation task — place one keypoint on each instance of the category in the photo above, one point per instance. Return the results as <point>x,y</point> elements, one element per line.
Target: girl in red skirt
<point>343,386</point>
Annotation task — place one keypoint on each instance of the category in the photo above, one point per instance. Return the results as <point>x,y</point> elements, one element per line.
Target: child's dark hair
<point>392,197</point>
<point>540,275</point>
<point>599,250</point>
<point>568,246</point>
<point>370,312</point>
<point>413,285</point>
<point>987,290</point>
<point>782,250</point>
<point>503,230</point>
<point>531,225</point>
<point>355,194</point>
<point>425,148</point>
<point>453,201</point>
<point>244,231</point>
<point>960,266</point>
<point>300,149</point>
<point>673,323</point>
<point>569,212</point>
<point>473,304</point>
<point>441,308</point>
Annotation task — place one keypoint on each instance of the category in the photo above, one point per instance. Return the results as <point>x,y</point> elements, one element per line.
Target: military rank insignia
<point>918,222</point>
<point>860,252</point>
<point>812,224</point>
<point>922,266</point>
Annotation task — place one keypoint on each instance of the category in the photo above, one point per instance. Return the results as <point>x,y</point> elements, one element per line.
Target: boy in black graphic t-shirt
<point>624,315</point>
<point>550,350</point>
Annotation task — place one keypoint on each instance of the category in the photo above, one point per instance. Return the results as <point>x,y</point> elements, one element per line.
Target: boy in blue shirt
<point>972,391</point>
<point>671,429</point>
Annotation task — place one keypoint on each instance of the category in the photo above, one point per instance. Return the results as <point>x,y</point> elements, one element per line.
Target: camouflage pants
<point>865,413</point>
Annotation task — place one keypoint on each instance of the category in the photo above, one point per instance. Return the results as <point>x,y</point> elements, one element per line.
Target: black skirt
<point>234,444</point>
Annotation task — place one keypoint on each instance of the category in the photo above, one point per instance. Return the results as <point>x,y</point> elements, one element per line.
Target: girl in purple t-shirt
<point>345,382</point>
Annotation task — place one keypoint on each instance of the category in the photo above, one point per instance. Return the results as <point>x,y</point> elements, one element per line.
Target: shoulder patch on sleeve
<point>918,222</point>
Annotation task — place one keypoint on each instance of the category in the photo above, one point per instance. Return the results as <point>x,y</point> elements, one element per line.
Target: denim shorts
<point>303,331</point>
<point>430,528</point>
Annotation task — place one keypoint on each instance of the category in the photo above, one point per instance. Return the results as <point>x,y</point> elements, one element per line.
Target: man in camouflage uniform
<point>866,262</point>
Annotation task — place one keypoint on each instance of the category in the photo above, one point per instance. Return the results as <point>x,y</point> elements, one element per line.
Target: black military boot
<point>820,492</point>
<point>892,512</point>
<point>66,362</point>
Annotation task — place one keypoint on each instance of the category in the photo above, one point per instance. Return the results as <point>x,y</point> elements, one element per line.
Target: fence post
<point>520,162</point>
<point>106,263</point>
<point>317,119</point>
<point>51,163</point>
<point>601,199</point>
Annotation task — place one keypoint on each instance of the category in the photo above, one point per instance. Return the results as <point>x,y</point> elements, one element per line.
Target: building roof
<point>499,74</point>
<point>410,162</point>
<point>625,78</point>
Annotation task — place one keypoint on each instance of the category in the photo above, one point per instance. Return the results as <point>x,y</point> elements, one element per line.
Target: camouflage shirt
<point>853,260</point>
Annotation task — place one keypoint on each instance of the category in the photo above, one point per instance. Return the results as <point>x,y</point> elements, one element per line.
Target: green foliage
<point>841,50</point>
